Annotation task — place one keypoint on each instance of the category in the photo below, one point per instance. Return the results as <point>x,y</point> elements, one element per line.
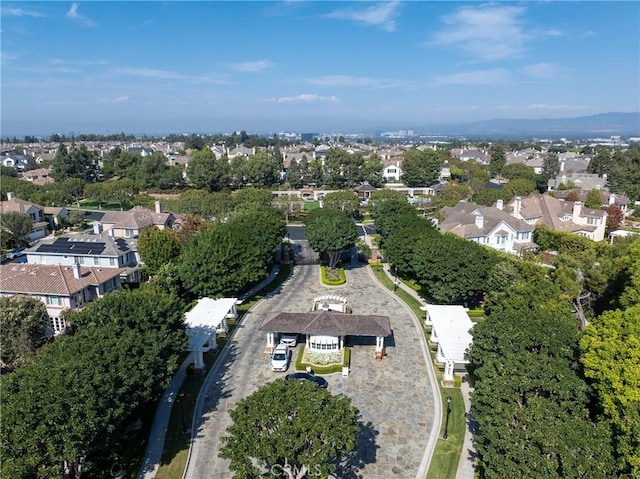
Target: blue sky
<point>145,67</point>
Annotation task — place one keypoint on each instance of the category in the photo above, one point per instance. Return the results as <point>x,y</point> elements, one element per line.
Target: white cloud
<point>354,81</point>
<point>61,61</point>
<point>168,75</point>
<point>544,70</point>
<point>488,32</point>
<point>73,14</point>
<point>118,99</point>
<point>379,15</point>
<point>477,77</point>
<point>303,98</point>
<point>255,66</point>
<point>21,12</point>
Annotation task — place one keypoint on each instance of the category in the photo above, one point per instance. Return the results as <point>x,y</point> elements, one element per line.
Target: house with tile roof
<point>571,217</point>
<point>58,287</point>
<point>128,224</point>
<point>584,181</point>
<point>489,226</point>
<point>36,212</point>
<point>96,249</point>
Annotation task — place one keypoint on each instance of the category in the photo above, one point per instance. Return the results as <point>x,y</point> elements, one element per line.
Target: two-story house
<point>36,212</point>
<point>128,224</point>
<point>489,226</point>
<point>96,249</point>
<point>58,287</point>
<point>567,216</point>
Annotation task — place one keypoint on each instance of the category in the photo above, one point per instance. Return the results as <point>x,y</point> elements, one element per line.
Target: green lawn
<point>446,455</point>
<point>311,205</point>
<point>107,206</point>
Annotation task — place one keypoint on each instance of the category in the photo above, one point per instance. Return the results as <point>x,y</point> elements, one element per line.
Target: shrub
<point>333,282</point>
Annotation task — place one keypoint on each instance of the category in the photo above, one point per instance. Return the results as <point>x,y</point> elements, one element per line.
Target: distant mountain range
<point>602,125</point>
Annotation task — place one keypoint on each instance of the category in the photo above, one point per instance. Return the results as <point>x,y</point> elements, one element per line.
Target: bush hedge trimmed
<point>342,280</point>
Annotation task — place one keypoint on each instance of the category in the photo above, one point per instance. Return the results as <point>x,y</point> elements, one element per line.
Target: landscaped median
<point>323,363</point>
<point>333,276</point>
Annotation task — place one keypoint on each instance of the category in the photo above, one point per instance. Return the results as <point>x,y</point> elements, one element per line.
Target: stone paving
<point>395,396</point>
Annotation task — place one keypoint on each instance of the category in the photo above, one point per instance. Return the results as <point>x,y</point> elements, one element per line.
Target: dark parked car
<point>322,382</point>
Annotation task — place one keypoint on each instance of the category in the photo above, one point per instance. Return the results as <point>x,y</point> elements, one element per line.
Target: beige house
<point>567,216</point>
<point>36,212</point>
<point>58,287</point>
<point>128,224</point>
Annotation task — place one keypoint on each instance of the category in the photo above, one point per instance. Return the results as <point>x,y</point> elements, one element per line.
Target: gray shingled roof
<point>328,323</point>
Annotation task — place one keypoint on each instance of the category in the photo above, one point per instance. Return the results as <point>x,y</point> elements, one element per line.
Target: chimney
<point>517,205</point>
<point>612,199</point>
<point>77,274</point>
<point>577,209</point>
<point>499,204</point>
<point>11,196</point>
<point>562,165</point>
<point>564,179</point>
<point>97,228</point>
<point>479,221</point>
<point>158,206</point>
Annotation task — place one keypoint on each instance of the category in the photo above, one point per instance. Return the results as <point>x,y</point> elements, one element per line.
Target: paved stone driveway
<point>395,396</point>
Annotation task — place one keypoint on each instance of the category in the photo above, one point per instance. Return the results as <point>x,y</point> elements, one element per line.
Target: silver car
<point>280,358</point>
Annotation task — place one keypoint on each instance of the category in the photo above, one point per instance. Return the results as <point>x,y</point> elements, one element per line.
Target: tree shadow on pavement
<point>365,453</point>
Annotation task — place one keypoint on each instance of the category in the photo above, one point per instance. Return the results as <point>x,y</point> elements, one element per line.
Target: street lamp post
<point>446,422</point>
<point>181,400</point>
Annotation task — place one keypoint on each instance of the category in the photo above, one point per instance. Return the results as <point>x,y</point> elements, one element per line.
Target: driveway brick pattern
<point>395,395</point>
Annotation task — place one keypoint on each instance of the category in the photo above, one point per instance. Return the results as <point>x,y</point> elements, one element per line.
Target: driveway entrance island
<point>395,396</point>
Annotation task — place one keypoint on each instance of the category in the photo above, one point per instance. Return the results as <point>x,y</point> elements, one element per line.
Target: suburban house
<point>560,215</point>
<point>451,332</point>
<point>391,171</point>
<point>489,226</point>
<point>128,224</point>
<point>97,249</point>
<point>56,216</point>
<point>36,212</point>
<point>583,181</point>
<point>143,151</point>
<point>608,199</point>
<point>58,287</point>
<point>39,176</point>
<point>13,160</point>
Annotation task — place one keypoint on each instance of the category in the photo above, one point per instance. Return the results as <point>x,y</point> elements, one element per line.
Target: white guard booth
<point>450,330</point>
<point>208,318</point>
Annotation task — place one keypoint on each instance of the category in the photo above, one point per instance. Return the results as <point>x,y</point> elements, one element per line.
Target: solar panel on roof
<point>64,246</point>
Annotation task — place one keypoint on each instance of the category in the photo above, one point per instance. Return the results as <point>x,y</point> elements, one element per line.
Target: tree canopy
<point>22,321</point>
<point>157,247</point>
<point>330,232</point>
<point>290,427</point>
<point>421,167</point>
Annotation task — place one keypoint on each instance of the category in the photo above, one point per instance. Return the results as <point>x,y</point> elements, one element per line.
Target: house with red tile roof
<point>58,287</point>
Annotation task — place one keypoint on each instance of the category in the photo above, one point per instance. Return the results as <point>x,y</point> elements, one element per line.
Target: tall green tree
<point>611,358</point>
<point>530,404</point>
<point>421,167</point>
<point>157,247</point>
<point>277,430</point>
<point>343,200</point>
<point>498,160</point>
<point>330,232</point>
<point>204,170</point>
<point>14,227</point>
<point>22,321</point>
<point>593,199</point>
